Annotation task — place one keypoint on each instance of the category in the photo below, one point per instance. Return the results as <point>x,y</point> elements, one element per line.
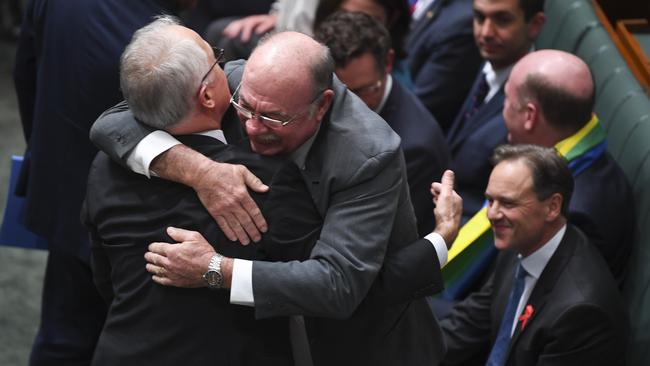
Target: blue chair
<point>13,232</point>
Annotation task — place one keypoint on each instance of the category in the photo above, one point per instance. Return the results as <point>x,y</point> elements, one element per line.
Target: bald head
<point>560,84</point>
<point>290,61</point>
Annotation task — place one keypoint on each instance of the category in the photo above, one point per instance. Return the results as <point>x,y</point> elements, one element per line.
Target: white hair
<point>160,73</point>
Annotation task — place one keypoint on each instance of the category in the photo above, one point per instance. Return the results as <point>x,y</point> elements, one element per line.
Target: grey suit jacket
<point>356,174</point>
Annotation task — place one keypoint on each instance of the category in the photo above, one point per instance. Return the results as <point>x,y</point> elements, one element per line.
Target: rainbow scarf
<point>473,250</point>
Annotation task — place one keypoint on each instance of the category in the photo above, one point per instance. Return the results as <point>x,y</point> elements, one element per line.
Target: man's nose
<point>487,28</point>
<point>254,124</point>
<point>493,211</point>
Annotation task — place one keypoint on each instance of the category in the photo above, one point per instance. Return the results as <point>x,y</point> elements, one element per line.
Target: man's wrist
<point>226,271</point>
<point>440,246</point>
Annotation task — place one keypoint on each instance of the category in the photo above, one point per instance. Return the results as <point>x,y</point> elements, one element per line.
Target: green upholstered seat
<point>616,88</point>
<point>634,110</point>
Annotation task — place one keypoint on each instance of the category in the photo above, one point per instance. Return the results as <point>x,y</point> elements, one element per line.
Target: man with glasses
<point>160,73</point>
<point>361,49</point>
<point>353,167</point>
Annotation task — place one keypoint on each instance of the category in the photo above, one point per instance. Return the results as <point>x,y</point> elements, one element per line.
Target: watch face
<point>214,279</point>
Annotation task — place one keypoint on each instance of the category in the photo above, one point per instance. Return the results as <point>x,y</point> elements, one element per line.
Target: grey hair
<point>160,73</point>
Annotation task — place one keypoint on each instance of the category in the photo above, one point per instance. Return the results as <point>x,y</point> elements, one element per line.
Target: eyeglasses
<point>218,57</point>
<point>268,121</point>
<point>368,89</point>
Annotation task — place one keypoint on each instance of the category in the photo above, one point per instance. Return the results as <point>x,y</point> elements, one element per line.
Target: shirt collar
<point>420,7</point>
<point>535,263</point>
<point>495,78</point>
<point>216,134</point>
<point>387,88</point>
<point>300,155</point>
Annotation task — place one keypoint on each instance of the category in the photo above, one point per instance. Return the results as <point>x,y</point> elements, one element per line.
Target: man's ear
<point>554,207</point>
<point>324,104</point>
<point>535,25</point>
<point>532,116</point>
<point>206,97</point>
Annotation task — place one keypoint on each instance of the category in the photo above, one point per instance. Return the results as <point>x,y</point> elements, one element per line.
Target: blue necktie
<point>500,349</point>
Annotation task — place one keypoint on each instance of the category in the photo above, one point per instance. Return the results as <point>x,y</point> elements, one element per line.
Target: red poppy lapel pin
<point>528,312</point>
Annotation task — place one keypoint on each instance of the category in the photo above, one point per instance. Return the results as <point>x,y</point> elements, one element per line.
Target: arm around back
<point>116,132</point>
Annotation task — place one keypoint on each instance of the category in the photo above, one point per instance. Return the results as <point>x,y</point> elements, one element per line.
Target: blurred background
<point>21,270</point>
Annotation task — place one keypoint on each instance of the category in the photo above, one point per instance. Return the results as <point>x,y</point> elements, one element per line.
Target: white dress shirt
<point>534,265</point>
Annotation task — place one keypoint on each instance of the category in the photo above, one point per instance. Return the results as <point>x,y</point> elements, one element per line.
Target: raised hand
<point>448,207</point>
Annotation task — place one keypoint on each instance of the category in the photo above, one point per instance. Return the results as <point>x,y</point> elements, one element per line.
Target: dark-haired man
<point>551,299</point>
<point>504,31</point>
<point>362,52</point>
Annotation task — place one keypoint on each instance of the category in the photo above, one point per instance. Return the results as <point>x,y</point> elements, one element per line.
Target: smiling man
<point>551,298</point>
<point>504,32</point>
<point>290,105</point>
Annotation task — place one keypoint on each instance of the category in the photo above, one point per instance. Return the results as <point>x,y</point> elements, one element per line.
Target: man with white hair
<point>354,170</point>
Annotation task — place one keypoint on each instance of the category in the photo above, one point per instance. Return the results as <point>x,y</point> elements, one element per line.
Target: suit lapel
<point>486,112</point>
<point>547,281</point>
<point>427,18</point>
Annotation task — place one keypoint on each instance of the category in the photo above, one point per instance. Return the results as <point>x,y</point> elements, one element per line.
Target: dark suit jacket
<point>125,212</point>
<point>443,57</point>
<point>578,317</point>
<point>356,177</point>
<point>602,207</point>
<point>425,149</point>
<point>67,73</point>
<point>471,144</point>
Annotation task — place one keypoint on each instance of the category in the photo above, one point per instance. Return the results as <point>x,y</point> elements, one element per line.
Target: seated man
<point>364,58</point>
<point>367,267</point>
<point>549,102</point>
<point>551,298</point>
<point>549,99</point>
<point>504,32</point>
<point>126,211</point>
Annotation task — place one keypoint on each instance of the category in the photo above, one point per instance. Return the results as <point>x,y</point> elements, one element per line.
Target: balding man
<point>549,102</point>
<point>353,167</point>
<point>551,299</point>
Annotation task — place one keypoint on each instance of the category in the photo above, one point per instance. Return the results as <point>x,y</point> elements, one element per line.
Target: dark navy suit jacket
<point>602,207</point>
<point>67,74</point>
<point>126,211</point>
<point>443,57</point>
<point>471,144</point>
<point>424,146</point>
<point>578,316</point>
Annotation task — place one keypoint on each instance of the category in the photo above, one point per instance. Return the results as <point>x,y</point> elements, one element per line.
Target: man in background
<point>66,74</point>
<point>504,32</point>
<point>361,49</point>
<point>549,99</point>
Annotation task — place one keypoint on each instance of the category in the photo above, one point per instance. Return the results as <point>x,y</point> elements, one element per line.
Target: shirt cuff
<point>148,149</point>
<point>241,289</point>
<point>440,246</point>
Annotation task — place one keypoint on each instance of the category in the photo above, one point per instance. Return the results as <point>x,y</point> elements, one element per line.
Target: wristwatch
<point>213,276</point>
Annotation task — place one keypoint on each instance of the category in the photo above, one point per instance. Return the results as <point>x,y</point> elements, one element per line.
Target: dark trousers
<point>72,313</point>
